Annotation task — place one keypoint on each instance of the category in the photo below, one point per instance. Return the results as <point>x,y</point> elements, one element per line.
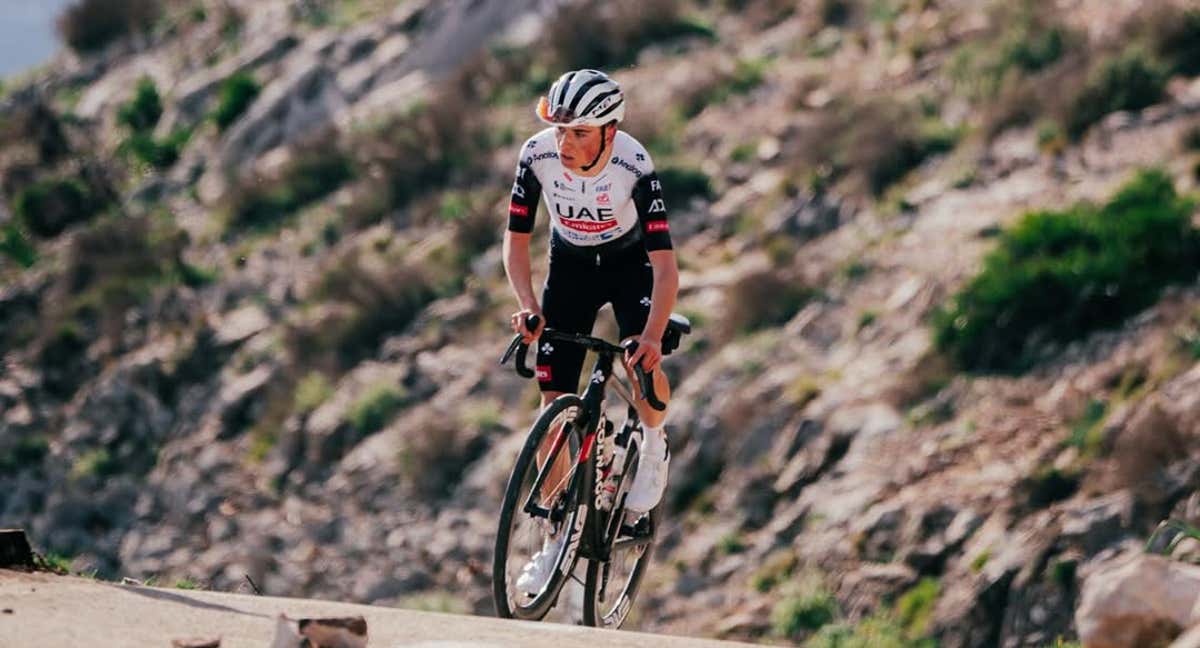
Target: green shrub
<point>835,12</point>
<point>1048,485</point>
<point>27,452</point>
<point>377,298</point>
<point>96,463</point>
<point>681,184</point>
<point>721,84</point>
<point>1063,572</point>
<point>610,35</point>
<point>312,174</point>
<point>777,567</point>
<point>915,607</point>
<point>48,207</point>
<point>1172,33</point>
<point>313,390</point>
<point>142,112</point>
<point>1131,80</point>
<point>808,606</point>
<point>376,407</point>
<point>427,147</point>
<point>1086,433</point>
<point>237,93</point>
<point>873,632</point>
<point>980,561</point>
<point>763,299</point>
<point>1057,276</point>
<point>90,25</point>
<point>159,154</point>
<point>16,246</point>
<point>877,142</point>
<point>1191,139</point>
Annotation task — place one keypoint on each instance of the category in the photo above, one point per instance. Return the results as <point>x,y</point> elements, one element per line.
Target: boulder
<point>1143,600</point>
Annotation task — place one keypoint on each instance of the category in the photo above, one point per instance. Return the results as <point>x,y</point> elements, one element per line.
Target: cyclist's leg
<point>567,308</point>
<point>629,290</point>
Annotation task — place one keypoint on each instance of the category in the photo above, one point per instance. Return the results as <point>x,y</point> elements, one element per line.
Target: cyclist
<point>609,243</point>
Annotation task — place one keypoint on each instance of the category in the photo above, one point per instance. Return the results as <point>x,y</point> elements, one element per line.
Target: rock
<point>806,217</point>
<point>862,589</point>
<point>240,325</point>
<point>240,400</point>
<point>879,532</point>
<point>1143,600</point>
<point>14,549</point>
<point>1189,639</point>
<point>1099,523</point>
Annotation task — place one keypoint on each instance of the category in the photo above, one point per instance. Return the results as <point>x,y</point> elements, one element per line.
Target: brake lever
<point>519,347</point>
<point>645,382</point>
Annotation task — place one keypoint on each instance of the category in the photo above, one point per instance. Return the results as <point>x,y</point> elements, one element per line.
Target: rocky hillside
<point>940,254</point>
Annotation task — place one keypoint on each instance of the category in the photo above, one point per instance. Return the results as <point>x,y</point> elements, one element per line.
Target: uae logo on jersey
<point>603,199</point>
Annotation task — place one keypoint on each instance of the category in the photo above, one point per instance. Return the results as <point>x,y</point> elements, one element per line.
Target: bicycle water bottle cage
<point>677,327</point>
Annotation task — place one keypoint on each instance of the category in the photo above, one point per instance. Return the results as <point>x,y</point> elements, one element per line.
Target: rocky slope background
<point>941,256</point>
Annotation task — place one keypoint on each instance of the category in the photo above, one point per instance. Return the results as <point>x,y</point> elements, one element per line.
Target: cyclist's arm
<point>662,298</point>
<point>519,269</point>
<point>522,208</point>
<point>652,217</point>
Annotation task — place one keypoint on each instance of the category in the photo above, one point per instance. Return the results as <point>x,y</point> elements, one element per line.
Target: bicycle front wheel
<point>612,585</point>
<point>544,499</point>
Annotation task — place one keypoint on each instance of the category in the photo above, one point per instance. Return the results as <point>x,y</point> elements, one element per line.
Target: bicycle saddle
<point>677,327</point>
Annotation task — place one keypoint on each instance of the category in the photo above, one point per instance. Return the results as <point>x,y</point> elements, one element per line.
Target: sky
<point>27,36</point>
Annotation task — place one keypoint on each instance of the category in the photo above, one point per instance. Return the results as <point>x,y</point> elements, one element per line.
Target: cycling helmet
<point>582,98</point>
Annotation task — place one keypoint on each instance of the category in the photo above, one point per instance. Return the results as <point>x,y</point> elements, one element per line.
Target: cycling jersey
<point>590,211</point>
<point>603,228</point>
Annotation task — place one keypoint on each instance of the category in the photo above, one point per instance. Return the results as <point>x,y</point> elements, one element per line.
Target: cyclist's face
<point>577,145</point>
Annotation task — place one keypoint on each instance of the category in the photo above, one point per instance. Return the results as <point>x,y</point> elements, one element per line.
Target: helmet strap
<point>603,145</point>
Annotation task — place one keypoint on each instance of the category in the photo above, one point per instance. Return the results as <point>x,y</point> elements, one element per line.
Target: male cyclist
<point>609,243</point>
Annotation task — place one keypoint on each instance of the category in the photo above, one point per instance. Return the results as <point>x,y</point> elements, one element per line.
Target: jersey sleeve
<point>652,212</point>
<point>523,203</point>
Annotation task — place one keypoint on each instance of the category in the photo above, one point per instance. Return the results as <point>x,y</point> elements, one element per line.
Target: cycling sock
<point>654,441</point>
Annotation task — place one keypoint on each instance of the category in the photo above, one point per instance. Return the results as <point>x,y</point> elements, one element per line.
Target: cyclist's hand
<point>649,353</point>
<point>518,324</point>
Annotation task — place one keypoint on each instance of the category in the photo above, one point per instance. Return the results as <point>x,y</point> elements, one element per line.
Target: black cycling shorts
<point>580,281</point>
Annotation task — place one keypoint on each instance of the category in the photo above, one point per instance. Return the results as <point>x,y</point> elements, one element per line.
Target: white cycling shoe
<point>651,478</point>
<point>536,573</point>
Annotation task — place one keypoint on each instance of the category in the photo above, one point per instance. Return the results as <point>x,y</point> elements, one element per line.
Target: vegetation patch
<point>1057,276</point>
<point>236,95</point>
<point>376,407</point>
<point>140,115</point>
<point>763,299</point>
<point>1131,80</point>
<point>315,171</point>
<point>48,207</point>
<point>610,35</point>
<point>90,25</point>
<point>914,609</point>
<point>806,605</point>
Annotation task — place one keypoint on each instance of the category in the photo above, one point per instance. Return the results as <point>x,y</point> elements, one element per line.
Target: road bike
<point>572,477</point>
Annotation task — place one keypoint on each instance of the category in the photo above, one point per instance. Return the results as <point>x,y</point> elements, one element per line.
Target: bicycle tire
<point>618,607</point>
<point>514,496</point>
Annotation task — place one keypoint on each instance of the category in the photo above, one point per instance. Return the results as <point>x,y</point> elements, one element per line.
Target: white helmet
<point>582,98</point>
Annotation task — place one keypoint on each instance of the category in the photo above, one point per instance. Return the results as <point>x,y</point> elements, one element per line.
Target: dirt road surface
<point>46,611</point>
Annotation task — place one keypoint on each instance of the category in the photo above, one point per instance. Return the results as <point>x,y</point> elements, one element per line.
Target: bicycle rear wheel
<point>612,585</point>
<point>557,507</point>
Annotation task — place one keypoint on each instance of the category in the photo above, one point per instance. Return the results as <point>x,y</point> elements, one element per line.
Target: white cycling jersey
<point>590,211</point>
